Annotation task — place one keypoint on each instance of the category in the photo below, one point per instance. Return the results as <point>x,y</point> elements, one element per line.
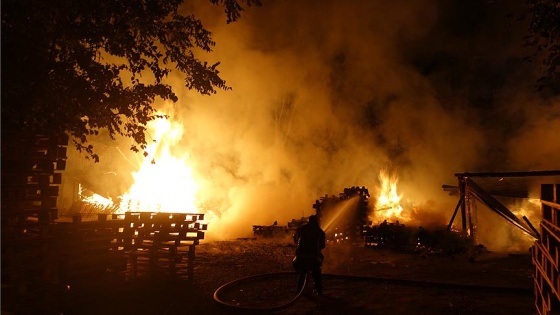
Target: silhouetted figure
<point>310,240</point>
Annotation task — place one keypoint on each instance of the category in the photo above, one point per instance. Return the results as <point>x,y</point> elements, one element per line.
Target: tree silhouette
<point>544,35</point>
<point>78,67</point>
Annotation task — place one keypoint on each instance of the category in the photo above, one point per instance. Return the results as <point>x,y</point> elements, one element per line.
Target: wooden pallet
<point>87,246</point>
<point>41,262</point>
<point>546,253</point>
<point>28,271</point>
<point>31,173</point>
<point>161,243</point>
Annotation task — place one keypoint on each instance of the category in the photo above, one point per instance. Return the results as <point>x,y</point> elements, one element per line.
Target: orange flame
<point>164,182</point>
<point>96,200</point>
<point>388,205</point>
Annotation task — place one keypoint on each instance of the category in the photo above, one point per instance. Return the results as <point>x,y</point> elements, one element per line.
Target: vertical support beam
<point>463,189</point>
<point>128,231</point>
<point>133,263</point>
<point>190,263</point>
<point>471,214</point>
<point>550,193</point>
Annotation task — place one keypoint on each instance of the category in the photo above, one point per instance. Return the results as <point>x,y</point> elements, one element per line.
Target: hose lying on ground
<point>219,292</point>
<point>221,302</point>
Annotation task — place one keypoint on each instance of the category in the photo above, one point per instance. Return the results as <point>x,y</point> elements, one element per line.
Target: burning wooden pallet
<point>344,216</point>
<point>347,226</point>
<point>387,234</point>
<point>161,243</point>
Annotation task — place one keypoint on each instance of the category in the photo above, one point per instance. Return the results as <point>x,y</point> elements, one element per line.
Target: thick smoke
<point>325,94</point>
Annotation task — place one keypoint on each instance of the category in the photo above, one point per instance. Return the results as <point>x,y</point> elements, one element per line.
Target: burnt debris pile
<point>346,220</point>
<point>437,240</point>
<point>278,231</point>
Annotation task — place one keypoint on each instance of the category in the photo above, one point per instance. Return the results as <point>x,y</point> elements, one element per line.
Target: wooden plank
<point>551,204</point>
<point>509,174</point>
<point>542,269</point>
<point>553,230</point>
<point>162,239</point>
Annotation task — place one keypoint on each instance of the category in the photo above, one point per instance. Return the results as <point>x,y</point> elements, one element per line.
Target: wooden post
<point>471,215</point>
<point>548,194</point>
<point>463,189</point>
<point>190,263</point>
<point>132,261</point>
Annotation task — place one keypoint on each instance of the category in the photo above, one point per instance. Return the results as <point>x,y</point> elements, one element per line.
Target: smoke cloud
<point>325,94</point>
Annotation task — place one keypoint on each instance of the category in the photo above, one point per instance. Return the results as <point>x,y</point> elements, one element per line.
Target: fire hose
<point>221,302</point>
<point>236,307</point>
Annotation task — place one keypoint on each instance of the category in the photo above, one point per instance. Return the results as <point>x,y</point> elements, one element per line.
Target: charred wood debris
<point>349,224</point>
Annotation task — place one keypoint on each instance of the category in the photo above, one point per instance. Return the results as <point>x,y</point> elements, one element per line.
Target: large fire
<point>388,205</point>
<point>164,182</point>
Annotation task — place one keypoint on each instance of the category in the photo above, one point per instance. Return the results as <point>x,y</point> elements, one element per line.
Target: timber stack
<point>45,258</point>
<point>161,243</point>
<point>546,253</point>
<point>345,216</point>
<point>32,168</point>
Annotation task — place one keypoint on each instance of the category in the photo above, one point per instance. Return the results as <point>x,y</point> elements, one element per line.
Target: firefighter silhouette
<point>310,240</point>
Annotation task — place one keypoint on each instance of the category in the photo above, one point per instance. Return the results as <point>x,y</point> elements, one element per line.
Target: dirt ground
<point>420,283</point>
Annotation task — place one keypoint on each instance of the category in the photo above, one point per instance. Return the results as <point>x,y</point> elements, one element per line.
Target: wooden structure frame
<point>546,253</point>
<point>469,189</point>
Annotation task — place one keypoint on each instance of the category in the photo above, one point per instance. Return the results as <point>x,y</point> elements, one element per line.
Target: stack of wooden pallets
<point>161,244</point>
<point>344,216</point>
<point>31,175</point>
<point>546,253</point>
<point>87,247</point>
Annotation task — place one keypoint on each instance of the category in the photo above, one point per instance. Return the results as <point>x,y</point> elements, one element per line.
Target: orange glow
<point>98,201</point>
<point>164,182</point>
<point>388,205</point>
<point>528,208</point>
